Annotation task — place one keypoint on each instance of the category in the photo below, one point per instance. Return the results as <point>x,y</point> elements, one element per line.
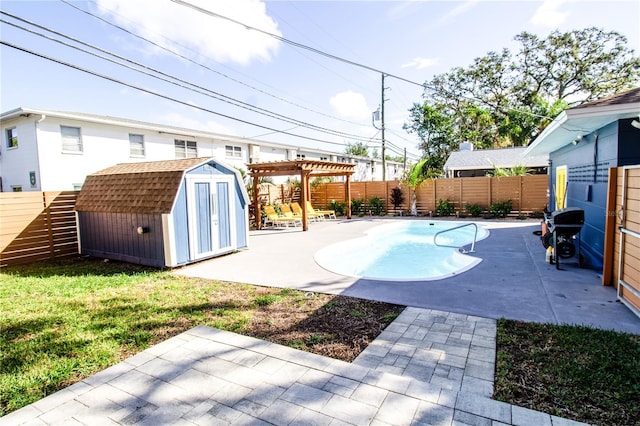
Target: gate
<point>629,239</point>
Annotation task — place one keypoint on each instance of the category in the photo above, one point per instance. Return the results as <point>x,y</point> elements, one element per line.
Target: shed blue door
<point>210,224</point>
<point>224,225</point>
<point>204,212</point>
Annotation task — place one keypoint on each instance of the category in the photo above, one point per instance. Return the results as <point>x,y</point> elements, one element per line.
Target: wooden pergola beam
<point>306,169</point>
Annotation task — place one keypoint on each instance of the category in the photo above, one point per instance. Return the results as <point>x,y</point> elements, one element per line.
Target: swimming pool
<point>403,251</point>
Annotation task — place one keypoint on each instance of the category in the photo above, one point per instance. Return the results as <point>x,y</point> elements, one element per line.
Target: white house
<point>43,150</point>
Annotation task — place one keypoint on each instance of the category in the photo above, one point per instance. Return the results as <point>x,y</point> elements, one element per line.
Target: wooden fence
<point>36,226</point>
<point>527,193</point>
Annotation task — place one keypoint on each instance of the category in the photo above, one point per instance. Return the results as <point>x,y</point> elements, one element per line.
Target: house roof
<point>585,119</point>
<point>143,188</point>
<point>488,158</point>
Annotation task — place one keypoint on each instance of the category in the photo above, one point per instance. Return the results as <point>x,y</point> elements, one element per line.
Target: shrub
<point>444,208</point>
<point>500,208</point>
<point>339,207</point>
<point>357,207</point>
<point>377,206</point>
<point>474,209</point>
<point>397,197</point>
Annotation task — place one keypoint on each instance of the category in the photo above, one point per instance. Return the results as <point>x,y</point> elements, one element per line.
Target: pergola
<point>306,169</point>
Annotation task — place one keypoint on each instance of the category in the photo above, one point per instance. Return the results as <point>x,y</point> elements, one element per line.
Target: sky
<point>304,73</point>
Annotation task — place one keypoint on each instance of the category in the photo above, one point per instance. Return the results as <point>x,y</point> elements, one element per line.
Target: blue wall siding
<point>180,226</point>
<point>114,236</point>
<point>588,165</point>
<point>208,169</point>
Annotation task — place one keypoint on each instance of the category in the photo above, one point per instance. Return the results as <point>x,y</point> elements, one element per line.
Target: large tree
<point>505,99</point>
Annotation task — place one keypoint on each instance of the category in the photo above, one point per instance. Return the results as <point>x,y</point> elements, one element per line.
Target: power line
<point>293,43</point>
<point>160,95</point>
<point>186,58</point>
<point>200,89</point>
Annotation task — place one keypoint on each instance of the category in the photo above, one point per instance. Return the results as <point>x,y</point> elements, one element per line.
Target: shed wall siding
<point>181,225</point>
<point>114,236</point>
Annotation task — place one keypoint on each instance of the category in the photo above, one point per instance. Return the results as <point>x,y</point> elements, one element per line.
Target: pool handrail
<point>473,244</point>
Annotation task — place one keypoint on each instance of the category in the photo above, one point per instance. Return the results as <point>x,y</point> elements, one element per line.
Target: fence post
<point>47,211</point>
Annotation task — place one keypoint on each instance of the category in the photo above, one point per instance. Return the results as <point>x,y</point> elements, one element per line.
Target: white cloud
<point>421,63</point>
<point>350,104</point>
<point>460,9</point>
<point>548,14</point>
<point>211,37</point>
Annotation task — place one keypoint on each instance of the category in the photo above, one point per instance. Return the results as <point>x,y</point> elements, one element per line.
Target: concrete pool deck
<point>512,280</point>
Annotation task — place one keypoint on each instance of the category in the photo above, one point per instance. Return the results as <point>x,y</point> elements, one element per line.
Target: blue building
<point>583,143</point>
<point>163,213</point>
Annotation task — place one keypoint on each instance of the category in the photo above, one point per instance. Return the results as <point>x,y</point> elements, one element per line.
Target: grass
<point>575,372</point>
<point>65,320</point>
<point>62,321</point>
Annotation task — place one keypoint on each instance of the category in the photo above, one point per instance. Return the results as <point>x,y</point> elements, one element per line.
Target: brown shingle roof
<point>628,97</point>
<point>143,188</point>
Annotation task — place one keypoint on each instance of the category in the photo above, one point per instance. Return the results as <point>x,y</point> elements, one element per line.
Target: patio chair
<point>276,220</point>
<point>329,213</point>
<point>287,212</point>
<point>313,216</point>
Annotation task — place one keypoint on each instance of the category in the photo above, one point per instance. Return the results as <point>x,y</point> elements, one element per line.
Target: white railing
<point>473,244</point>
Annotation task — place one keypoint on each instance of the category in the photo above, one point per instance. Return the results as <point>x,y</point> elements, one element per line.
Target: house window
<point>12,138</point>
<point>231,151</point>
<point>136,145</point>
<point>71,140</point>
<point>186,149</point>
<point>16,188</point>
<point>300,156</point>
<point>324,158</point>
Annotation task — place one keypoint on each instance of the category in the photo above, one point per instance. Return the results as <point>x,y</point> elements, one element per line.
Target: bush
<point>500,208</point>
<point>444,208</point>
<point>474,209</point>
<point>376,204</point>
<point>397,197</point>
<point>339,207</point>
<point>357,207</point>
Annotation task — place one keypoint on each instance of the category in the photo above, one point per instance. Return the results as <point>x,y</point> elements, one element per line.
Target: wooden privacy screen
<point>626,245</point>
<point>527,193</point>
<point>36,226</point>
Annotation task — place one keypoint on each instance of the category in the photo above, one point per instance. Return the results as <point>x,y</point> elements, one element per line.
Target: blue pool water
<point>403,251</point>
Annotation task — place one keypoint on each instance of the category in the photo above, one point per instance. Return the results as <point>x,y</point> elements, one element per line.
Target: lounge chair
<point>287,212</point>
<point>275,219</point>
<point>330,213</point>
<point>297,212</point>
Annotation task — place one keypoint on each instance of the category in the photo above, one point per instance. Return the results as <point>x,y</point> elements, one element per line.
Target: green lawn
<point>65,320</point>
<point>574,372</point>
<point>62,321</point>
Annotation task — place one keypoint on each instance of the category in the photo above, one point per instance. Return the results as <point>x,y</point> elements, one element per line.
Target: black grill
<point>562,228</point>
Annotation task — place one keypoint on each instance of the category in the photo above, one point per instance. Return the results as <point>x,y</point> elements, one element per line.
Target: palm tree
<point>413,178</point>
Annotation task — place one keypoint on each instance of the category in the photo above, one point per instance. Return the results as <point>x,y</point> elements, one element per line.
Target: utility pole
<point>384,161</point>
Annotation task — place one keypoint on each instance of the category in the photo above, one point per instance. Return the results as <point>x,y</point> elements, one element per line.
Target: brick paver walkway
<point>428,367</point>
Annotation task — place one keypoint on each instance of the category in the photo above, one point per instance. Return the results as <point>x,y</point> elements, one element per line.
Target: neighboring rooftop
<point>486,159</point>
